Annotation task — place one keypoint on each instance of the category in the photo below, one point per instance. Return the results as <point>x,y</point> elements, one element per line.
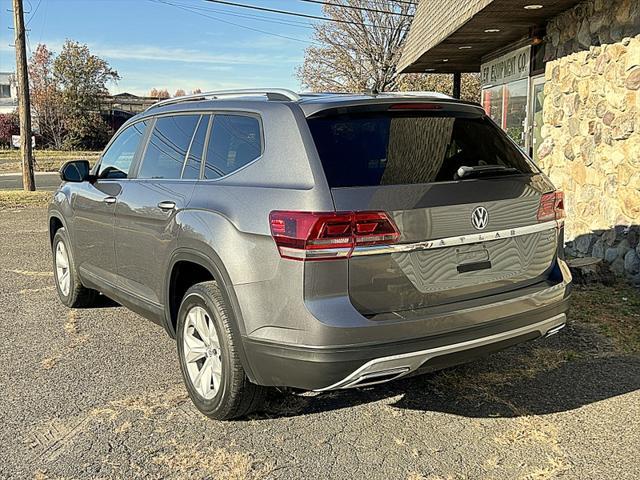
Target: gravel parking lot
<point>97,393</point>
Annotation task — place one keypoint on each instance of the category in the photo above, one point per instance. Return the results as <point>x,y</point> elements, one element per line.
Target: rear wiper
<point>477,170</point>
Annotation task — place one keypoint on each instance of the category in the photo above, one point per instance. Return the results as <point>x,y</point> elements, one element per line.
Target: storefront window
<point>515,110</point>
<point>512,97</point>
<point>537,102</point>
<point>492,103</point>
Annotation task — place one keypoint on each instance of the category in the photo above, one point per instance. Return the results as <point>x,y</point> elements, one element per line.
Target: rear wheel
<point>70,289</point>
<point>208,354</point>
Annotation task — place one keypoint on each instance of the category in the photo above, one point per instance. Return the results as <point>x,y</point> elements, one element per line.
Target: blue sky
<point>152,44</point>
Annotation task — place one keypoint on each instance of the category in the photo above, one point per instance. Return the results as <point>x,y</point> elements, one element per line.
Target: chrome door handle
<point>109,200</point>
<point>167,205</point>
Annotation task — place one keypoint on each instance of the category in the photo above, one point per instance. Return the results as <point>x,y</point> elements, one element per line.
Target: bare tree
<point>196,90</point>
<point>46,98</point>
<point>179,93</point>
<point>159,94</point>
<point>361,51</point>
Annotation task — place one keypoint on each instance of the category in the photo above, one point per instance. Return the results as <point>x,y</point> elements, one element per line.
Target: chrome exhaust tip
<point>554,330</point>
<point>381,376</point>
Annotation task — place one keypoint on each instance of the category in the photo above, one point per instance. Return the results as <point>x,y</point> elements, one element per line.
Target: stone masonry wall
<point>591,132</point>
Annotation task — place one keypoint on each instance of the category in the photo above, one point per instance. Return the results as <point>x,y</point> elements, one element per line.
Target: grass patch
<point>21,198</point>
<point>195,462</point>
<point>613,310</point>
<point>46,160</point>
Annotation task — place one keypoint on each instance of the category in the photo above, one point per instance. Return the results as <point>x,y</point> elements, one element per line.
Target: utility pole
<point>24,104</point>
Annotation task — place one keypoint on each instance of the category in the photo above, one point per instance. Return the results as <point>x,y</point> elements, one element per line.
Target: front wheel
<point>70,289</point>
<point>208,355</point>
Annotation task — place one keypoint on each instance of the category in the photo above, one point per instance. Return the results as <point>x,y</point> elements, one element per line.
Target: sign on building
<point>507,68</point>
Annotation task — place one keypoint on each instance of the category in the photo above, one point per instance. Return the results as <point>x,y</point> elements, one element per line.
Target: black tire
<point>236,395</point>
<point>78,296</point>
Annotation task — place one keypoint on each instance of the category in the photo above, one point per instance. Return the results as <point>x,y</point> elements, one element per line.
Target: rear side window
<point>116,160</point>
<point>234,142</point>
<point>368,149</point>
<point>167,147</point>
<point>194,158</point>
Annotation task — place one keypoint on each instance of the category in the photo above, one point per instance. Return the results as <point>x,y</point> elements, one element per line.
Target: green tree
<point>82,77</point>
<point>68,91</point>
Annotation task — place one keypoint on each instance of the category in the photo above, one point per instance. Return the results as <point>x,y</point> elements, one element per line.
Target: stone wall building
<point>562,78</point>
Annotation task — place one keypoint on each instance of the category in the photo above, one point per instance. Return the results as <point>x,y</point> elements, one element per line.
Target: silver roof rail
<point>271,94</point>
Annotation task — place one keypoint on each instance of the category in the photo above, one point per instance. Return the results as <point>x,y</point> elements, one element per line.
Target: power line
<point>365,9</point>
<point>295,14</point>
<point>232,23</point>
<point>415,4</point>
<point>292,23</point>
<point>44,21</point>
<point>34,13</point>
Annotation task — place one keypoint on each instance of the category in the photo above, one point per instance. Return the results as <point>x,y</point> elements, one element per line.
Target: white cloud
<point>155,54</point>
<point>152,53</point>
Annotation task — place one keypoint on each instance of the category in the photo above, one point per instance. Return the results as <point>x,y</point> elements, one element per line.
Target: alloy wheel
<point>202,354</point>
<point>62,268</point>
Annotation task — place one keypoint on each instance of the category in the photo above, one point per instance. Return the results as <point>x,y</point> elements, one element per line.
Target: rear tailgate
<point>404,162</point>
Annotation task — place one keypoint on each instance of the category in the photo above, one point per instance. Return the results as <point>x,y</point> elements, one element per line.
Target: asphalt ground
<point>97,393</point>
<point>48,181</point>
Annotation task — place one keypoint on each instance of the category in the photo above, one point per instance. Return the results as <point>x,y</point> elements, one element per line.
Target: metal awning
<point>450,36</point>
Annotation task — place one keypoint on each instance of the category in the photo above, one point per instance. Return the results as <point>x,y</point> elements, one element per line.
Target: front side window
<point>167,147</point>
<point>116,161</point>
<point>234,142</point>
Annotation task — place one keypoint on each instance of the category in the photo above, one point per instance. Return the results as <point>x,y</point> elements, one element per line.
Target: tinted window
<point>116,161</point>
<point>194,159</point>
<point>167,148</point>
<point>234,142</point>
<point>394,149</point>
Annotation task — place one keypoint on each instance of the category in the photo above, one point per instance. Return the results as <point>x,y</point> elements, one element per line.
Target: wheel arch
<point>212,264</point>
<point>55,223</point>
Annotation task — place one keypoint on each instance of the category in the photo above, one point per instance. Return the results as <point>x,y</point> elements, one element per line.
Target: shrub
<point>9,125</point>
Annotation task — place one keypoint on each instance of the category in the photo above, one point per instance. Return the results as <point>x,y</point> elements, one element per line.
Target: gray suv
<point>318,242</point>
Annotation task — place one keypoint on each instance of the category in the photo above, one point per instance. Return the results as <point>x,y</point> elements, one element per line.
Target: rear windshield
<point>368,149</point>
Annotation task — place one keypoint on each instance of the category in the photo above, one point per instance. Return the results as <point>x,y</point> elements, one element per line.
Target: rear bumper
<point>333,367</point>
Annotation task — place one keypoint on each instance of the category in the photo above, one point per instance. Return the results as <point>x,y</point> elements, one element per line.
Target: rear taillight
<point>324,236</point>
<point>551,207</point>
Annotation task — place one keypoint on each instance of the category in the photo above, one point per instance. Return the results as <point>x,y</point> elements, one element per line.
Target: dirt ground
<point>97,393</point>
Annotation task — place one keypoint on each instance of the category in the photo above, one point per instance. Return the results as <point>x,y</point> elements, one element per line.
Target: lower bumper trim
<point>384,369</point>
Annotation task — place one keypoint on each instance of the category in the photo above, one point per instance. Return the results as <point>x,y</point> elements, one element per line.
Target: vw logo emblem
<point>479,218</point>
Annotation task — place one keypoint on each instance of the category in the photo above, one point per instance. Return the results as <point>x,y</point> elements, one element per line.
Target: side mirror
<point>75,171</point>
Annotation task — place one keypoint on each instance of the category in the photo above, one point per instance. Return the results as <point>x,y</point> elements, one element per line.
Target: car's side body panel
<point>146,235</point>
